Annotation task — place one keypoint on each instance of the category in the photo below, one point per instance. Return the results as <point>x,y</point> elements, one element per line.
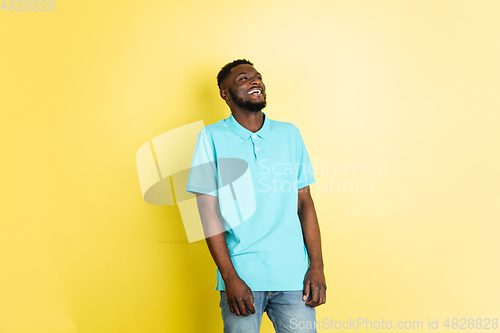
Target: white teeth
<point>255,91</point>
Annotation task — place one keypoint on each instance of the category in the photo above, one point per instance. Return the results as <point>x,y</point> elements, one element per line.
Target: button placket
<point>254,143</point>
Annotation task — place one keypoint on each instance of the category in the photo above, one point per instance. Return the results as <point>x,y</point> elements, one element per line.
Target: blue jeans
<point>286,310</point>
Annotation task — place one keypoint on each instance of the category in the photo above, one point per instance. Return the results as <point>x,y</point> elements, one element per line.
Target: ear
<point>224,94</point>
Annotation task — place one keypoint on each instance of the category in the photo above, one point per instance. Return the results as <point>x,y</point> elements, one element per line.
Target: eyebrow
<point>257,73</point>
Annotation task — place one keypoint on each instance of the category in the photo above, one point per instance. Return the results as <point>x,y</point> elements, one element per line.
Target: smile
<point>255,92</point>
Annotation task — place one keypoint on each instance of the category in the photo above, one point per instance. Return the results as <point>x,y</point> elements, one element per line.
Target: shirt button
<point>257,149</point>
<point>254,136</point>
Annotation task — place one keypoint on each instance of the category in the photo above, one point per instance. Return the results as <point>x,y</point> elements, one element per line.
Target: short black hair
<point>224,72</point>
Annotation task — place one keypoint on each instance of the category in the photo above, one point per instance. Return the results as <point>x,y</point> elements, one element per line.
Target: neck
<point>251,120</point>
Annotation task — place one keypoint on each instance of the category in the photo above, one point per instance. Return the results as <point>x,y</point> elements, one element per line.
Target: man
<point>270,262</point>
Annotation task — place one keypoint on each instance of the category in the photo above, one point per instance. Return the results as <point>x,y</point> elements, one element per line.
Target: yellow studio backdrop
<point>397,102</point>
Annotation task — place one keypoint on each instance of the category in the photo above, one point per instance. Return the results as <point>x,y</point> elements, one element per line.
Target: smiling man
<point>272,261</point>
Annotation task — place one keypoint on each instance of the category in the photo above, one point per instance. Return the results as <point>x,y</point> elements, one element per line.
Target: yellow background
<point>412,84</point>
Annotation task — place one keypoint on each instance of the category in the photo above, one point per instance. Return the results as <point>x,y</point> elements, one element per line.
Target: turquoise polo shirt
<point>267,246</point>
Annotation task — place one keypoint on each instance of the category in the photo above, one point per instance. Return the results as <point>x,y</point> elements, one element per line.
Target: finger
<point>229,304</point>
<point>241,306</point>
<point>236,310</point>
<point>323,295</point>
<point>250,303</point>
<point>314,296</point>
<point>305,292</point>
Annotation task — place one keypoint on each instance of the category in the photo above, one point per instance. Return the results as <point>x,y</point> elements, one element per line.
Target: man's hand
<point>239,295</point>
<point>315,280</point>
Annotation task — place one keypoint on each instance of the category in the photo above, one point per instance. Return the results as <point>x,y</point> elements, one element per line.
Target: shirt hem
<point>194,190</point>
<point>307,183</point>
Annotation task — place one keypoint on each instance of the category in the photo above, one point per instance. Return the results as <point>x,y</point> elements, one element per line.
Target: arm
<point>238,294</point>
<point>315,277</point>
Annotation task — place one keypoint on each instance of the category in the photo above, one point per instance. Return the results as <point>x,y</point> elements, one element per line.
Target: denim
<point>286,310</point>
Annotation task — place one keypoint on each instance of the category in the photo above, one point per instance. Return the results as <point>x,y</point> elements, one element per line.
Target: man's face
<point>246,88</point>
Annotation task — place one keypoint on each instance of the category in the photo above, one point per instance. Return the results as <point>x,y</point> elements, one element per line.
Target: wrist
<point>316,265</point>
<point>229,276</point>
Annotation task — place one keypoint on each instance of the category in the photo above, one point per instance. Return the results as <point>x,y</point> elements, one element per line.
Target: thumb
<point>305,292</point>
<point>251,298</point>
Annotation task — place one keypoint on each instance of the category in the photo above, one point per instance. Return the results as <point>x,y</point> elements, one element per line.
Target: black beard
<point>249,106</point>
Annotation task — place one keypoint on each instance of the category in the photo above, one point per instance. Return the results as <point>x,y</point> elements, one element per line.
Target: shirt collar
<point>243,132</point>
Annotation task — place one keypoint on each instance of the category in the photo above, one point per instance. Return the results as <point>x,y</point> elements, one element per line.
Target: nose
<point>255,81</point>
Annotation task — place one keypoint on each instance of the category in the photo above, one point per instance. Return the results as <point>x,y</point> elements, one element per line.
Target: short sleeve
<point>203,173</point>
<point>305,169</point>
